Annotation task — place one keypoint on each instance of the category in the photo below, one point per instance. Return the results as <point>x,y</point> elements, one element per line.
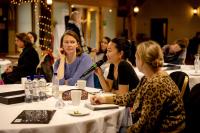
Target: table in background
<point>4,63</point>
<point>102,121</point>
<point>188,69</point>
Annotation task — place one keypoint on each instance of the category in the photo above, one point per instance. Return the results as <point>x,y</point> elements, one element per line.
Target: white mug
<point>81,84</point>
<point>76,97</point>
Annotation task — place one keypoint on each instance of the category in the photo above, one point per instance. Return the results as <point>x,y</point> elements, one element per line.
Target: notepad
<point>101,106</point>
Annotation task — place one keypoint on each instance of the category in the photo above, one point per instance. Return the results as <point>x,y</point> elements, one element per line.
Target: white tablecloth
<point>188,69</point>
<point>103,121</point>
<point>4,64</point>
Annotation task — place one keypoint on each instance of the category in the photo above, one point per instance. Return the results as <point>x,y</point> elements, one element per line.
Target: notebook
<point>101,106</point>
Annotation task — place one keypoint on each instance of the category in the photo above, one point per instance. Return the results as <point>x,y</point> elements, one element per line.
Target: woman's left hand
<point>96,99</point>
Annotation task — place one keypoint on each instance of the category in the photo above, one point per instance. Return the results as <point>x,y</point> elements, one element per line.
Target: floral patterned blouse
<point>157,105</point>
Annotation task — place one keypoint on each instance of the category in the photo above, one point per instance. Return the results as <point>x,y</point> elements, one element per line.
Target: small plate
<point>79,112</point>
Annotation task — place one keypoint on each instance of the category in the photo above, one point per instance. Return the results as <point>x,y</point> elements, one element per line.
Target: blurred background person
<point>175,53</point>
<point>33,37</point>
<point>193,49</point>
<point>101,55</point>
<point>45,67</point>
<point>73,62</point>
<point>27,62</point>
<point>121,76</point>
<point>75,24</point>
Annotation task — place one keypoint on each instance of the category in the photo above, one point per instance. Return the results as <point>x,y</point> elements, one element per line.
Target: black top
<point>126,76</point>
<point>27,64</point>
<point>73,27</point>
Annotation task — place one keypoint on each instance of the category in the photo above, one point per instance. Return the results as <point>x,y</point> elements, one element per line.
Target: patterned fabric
<point>67,95</point>
<point>157,105</point>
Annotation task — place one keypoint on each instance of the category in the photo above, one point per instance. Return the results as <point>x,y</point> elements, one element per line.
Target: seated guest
<point>157,105</point>
<point>33,37</point>
<point>175,53</point>
<point>101,55</point>
<point>121,77</point>
<point>45,66</point>
<point>73,62</point>
<point>27,63</point>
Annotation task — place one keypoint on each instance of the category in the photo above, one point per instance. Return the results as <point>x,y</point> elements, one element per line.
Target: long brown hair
<point>79,49</point>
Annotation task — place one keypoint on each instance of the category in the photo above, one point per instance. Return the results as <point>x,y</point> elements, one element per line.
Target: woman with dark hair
<point>33,38</point>
<point>73,62</point>
<point>27,63</point>
<point>121,77</point>
<point>101,55</point>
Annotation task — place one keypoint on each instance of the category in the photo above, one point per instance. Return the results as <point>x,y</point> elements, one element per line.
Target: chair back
<point>194,112</point>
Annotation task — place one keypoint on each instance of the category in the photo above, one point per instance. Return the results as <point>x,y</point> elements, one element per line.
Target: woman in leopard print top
<point>157,105</point>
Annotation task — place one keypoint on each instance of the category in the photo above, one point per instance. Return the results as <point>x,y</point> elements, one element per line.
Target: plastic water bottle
<point>196,63</point>
<point>42,86</point>
<point>36,89</point>
<point>55,85</point>
<point>28,90</point>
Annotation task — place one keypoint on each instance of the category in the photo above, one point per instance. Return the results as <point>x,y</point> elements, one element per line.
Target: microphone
<point>92,68</point>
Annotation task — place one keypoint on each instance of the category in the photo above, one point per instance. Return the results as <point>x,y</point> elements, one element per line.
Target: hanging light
<point>195,11</point>
<point>136,9</point>
<point>49,2</point>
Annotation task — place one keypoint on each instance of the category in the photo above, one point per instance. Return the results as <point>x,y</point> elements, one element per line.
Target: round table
<point>188,69</point>
<point>102,121</point>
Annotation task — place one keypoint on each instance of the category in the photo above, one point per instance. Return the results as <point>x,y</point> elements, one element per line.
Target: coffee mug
<point>76,97</point>
<point>80,84</point>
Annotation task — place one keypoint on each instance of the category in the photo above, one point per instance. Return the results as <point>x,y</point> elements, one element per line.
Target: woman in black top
<point>121,77</point>
<point>27,62</point>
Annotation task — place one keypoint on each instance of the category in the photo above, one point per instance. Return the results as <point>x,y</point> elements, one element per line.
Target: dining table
<point>100,121</point>
<point>194,77</point>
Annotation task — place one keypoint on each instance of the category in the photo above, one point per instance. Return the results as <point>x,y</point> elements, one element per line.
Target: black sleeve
<point>111,72</point>
<point>124,73</point>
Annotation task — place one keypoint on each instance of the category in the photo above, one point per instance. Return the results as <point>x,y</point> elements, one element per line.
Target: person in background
<point>193,49</point>
<point>121,77</point>
<point>27,62</point>
<point>156,103</point>
<point>45,67</point>
<point>33,37</point>
<point>73,62</point>
<point>75,24</point>
<point>101,55</point>
<point>175,53</point>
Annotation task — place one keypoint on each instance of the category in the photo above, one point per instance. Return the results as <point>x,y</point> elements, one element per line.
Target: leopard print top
<point>157,105</point>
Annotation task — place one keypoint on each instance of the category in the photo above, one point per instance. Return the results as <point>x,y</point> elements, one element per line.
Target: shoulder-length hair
<point>79,49</point>
<point>25,39</point>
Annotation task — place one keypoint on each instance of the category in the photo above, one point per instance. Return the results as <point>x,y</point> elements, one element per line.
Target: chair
<point>194,110</point>
<point>182,81</point>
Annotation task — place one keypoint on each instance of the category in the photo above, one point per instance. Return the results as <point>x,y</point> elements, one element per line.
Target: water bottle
<point>36,88</point>
<point>42,86</point>
<point>55,85</point>
<point>28,90</point>
<point>196,63</point>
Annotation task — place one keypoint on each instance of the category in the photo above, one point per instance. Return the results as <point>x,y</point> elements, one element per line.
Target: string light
<point>43,22</point>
